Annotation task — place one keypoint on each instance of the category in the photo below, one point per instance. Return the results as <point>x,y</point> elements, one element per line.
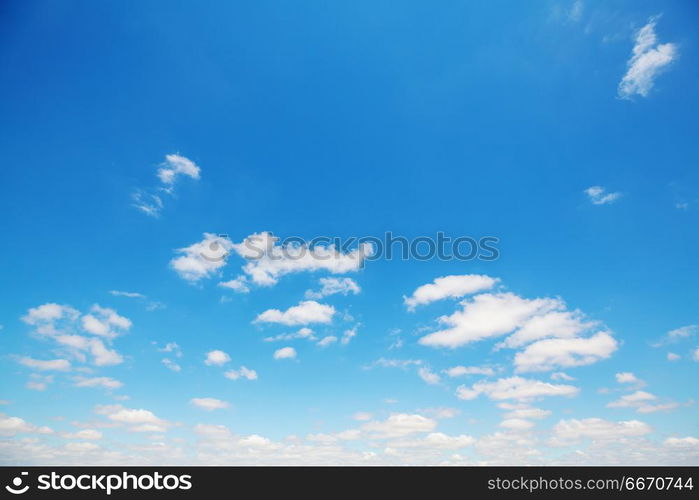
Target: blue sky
<point>131,130</point>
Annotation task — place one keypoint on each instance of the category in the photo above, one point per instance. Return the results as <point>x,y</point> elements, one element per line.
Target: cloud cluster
<point>549,335</point>
<point>77,335</point>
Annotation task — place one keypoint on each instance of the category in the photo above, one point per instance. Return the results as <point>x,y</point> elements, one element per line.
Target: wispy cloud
<point>599,195</point>
<point>175,166</point>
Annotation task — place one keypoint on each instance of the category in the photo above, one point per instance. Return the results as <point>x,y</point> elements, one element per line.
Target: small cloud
<point>599,195</point>
<point>209,404</point>
<point>45,365</point>
<point>304,313</point>
<point>648,59</point>
<point>332,286</point>
<point>428,375</point>
<point>627,378</point>
<point>104,382</point>
<point>349,334</point>
<point>175,166</point>
<point>285,353</point>
<point>460,371</point>
<point>242,372</point>
<point>239,284</point>
<point>326,341</point>
<point>671,356</point>
<point>677,335</point>
<point>172,347</point>
<point>216,358</point>
<point>171,365</point>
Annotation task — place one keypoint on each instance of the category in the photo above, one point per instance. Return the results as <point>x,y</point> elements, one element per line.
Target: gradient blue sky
<point>348,119</point>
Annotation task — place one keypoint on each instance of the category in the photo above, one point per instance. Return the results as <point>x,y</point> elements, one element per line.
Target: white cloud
<point>39,382</point>
<point>302,333</point>
<point>239,284</point>
<point>241,373</point>
<point>91,434</point>
<point>60,322</point>
<point>131,295</point>
<point>176,165</point>
<point>105,382</point>
<point>515,388</point>
<point>332,286</point>
<point>105,322</point>
<point>102,355</point>
<point>172,347</point>
<point>487,315</point>
<point>560,324</point>
<point>671,356</point>
<point>216,358</point>
<point>203,259</point>
<point>523,411</point>
<point>394,363</point>
<point>677,335</point>
<point>460,371</point>
<point>45,365</point>
<point>11,426</point>
<point>285,353</point>
<point>152,305</point>
<point>642,402</point>
<point>362,416</point>
<point>626,378</point>
<point>517,424</point>
<point>138,420</point>
<point>326,341</point>
<point>599,195</point>
<point>454,286</point>
<point>209,404</point>
<point>682,332</point>
<point>648,59</point>
<point>574,430</point>
<point>35,385</point>
<point>398,425</point>
<point>267,261</point>
<point>632,400</point>
<point>685,442</point>
<point>440,413</point>
<point>549,354</point>
<point>171,365</point>
<point>428,375</point>
<point>45,316</point>
<point>148,203</point>
<point>308,311</point>
<point>562,376</point>
<point>695,354</point>
<point>435,441</point>
<point>349,334</point>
